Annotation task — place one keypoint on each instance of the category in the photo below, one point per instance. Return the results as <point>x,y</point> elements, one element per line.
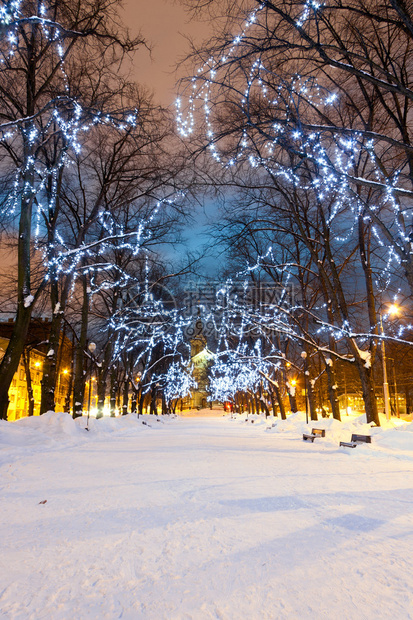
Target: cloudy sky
<point>165,25</point>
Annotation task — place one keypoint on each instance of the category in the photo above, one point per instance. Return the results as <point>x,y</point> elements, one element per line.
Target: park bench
<point>315,432</point>
<point>355,440</point>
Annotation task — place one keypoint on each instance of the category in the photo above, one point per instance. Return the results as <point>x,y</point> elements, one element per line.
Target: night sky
<point>164,24</point>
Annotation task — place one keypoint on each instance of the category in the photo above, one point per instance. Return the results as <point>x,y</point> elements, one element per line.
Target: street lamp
<point>138,379</point>
<point>293,385</point>
<point>64,372</point>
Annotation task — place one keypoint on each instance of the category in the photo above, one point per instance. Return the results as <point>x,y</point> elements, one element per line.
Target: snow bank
<point>56,425</point>
<point>399,439</point>
<point>392,436</point>
<point>38,430</point>
<point>126,425</point>
<point>54,429</point>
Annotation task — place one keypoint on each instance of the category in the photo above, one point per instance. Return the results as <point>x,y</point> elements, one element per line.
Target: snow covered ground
<point>204,517</point>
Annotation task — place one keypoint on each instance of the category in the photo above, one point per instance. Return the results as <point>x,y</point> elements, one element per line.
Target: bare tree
<point>38,108</point>
<point>317,98</point>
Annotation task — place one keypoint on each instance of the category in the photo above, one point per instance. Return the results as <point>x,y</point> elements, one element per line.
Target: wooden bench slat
<point>356,439</point>
<point>318,431</point>
<point>309,437</point>
<point>361,438</point>
<point>347,444</point>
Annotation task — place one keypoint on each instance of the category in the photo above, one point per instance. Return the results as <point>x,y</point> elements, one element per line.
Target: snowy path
<point>203,518</point>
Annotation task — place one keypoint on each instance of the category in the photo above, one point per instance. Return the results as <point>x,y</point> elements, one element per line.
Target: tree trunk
<point>257,404</point>
<point>309,389</point>
<point>367,386</point>
<point>332,391</point>
<point>70,386</point>
<point>134,399</point>
<point>50,364</point>
<point>264,408</point>
<point>14,351</point>
<point>26,361</point>
<point>407,398</point>
<point>125,402</point>
<point>80,372</point>
<point>141,404</point>
<point>280,402</point>
<point>11,359</point>
<point>103,378</point>
<point>273,405</point>
<point>292,397</point>
<point>113,392</point>
<point>101,393</point>
<point>153,409</point>
<point>311,401</point>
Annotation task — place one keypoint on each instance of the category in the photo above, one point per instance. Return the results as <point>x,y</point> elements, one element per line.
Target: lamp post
<point>138,380</point>
<point>386,397</point>
<point>64,372</point>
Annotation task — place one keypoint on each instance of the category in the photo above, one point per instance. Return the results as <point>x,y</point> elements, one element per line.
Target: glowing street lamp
<point>394,309</point>
<point>64,372</point>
